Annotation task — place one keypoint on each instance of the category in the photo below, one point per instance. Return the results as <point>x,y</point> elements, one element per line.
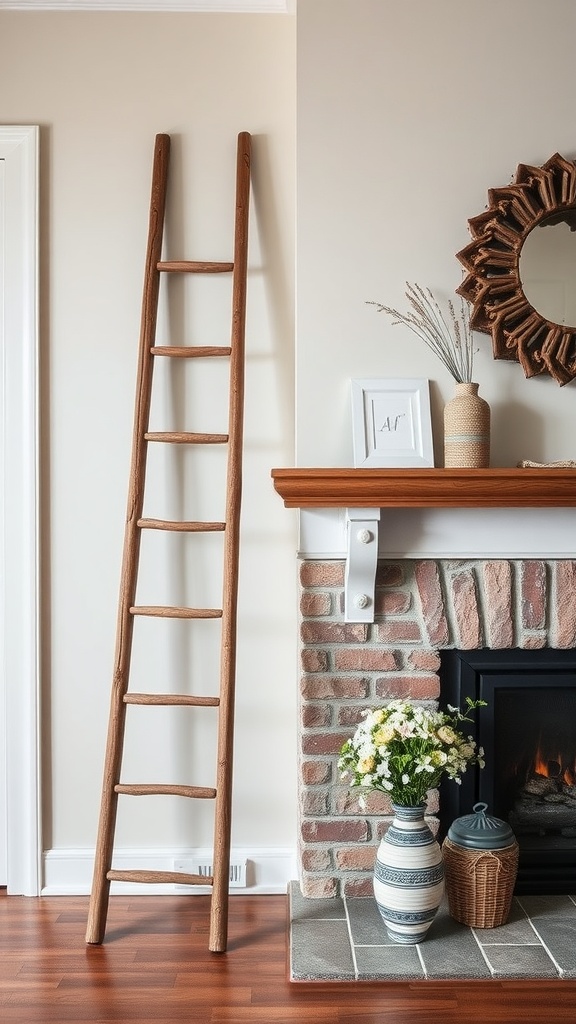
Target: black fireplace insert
<point>528,731</point>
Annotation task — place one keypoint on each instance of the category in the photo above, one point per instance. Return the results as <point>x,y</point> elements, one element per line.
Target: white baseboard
<point>68,872</point>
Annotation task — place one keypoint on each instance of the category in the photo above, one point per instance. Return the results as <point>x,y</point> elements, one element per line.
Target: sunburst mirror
<point>527,310</point>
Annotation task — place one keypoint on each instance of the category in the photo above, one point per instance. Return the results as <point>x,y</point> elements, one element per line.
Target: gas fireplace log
<point>539,785</point>
<point>532,816</point>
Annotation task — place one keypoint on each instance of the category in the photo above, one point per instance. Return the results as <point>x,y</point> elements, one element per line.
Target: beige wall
<point>407,114</point>
<point>101,86</point>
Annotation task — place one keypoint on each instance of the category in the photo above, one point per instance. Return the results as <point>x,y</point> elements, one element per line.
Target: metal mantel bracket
<point>361,563</point>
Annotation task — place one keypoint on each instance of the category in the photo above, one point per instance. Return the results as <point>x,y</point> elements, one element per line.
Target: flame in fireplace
<point>554,767</point>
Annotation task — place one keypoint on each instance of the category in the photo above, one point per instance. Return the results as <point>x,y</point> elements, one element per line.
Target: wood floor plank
<point>155,968</point>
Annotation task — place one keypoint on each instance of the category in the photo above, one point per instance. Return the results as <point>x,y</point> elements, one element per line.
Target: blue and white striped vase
<point>408,876</point>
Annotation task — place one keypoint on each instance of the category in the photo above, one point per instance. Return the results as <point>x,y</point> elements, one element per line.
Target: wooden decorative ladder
<point>122,697</point>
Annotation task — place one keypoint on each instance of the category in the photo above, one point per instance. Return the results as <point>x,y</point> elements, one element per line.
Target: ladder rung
<point>195,267</point>
<point>158,789</point>
<point>182,437</point>
<point>179,699</point>
<point>190,351</point>
<point>182,527</point>
<point>178,877</point>
<point>169,612</point>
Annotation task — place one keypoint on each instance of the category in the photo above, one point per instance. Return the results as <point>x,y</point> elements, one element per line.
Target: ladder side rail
<point>223,808</point>
<point>125,621</point>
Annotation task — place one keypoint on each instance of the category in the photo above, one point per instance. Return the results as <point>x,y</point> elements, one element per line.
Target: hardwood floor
<point>154,968</point>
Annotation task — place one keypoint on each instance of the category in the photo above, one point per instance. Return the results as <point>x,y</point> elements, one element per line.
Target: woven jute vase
<point>467,429</point>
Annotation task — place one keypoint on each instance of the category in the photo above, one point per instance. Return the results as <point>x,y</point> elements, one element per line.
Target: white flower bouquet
<point>405,749</point>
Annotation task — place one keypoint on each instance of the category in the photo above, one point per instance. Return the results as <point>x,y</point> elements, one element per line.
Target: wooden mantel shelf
<point>426,488</point>
<point>358,491</point>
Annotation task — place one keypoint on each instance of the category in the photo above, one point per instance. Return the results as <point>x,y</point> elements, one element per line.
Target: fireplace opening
<point>528,731</point>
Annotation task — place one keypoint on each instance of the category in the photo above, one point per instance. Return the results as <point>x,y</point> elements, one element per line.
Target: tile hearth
<point>344,939</point>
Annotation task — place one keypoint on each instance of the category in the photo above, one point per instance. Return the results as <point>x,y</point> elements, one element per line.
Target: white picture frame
<point>391,423</point>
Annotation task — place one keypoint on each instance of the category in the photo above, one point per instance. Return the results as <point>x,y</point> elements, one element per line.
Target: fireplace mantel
<point>426,488</point>
<point>362,493</point>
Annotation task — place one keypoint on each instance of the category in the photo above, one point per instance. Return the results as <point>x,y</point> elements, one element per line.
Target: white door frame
<point>19,504</point>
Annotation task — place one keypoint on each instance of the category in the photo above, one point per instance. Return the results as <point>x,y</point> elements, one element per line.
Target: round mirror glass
<point>547,269</point>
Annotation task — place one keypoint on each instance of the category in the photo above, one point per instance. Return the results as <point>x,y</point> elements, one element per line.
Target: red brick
<point>534,642</point>
<point>382,828</point>
<point>351,716</point>
<point>314,801</point>
<point>533,576</point>
<point>423,660</point>
<point>314,661</point>
<point>315,604</point>
<point>334,831</point>
<point>365,659</point>
<point>565,604</point>
<point>498,604</point>
<point>316,860</point>
<point>355,858</point>
<point>337,687</point>
<point>318,888</point>
<point>359,886</point>
<point>322,574</point>
<point>396,632</point>
<point>314,632</point>
<point>433,803</point>
<point>323,742</point>
<point>389,574</point>
<point>347,801</point>
<point>430,591</point>
<point>393,602</point>
<point>465,604</point>
<point>316,715</point>
<point>315,773</point>
<point>408,687</point>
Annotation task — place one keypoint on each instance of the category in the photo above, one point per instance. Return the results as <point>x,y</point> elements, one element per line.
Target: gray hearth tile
<point>366,925</point>
<point>393,963</point>
<point>520,962</point>
<point>320,950</point>
<point>516,929</point>
<point>559,937</point>
<point>548,906</point>
<point>450,950</point>
<point>304,909</point>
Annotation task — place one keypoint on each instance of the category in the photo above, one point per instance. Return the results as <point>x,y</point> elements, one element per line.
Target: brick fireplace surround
<point>421,607</point>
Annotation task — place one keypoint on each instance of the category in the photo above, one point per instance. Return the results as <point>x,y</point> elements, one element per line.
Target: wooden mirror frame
<point>492,262</point>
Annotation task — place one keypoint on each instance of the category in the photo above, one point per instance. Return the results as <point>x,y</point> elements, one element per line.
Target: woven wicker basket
<point>480,883</point>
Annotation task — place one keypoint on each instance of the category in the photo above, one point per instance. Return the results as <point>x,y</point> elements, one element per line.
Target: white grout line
<point>481,948</point>
<point>351,941</point>
<point>421,958</point>
<point>543,944</point>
